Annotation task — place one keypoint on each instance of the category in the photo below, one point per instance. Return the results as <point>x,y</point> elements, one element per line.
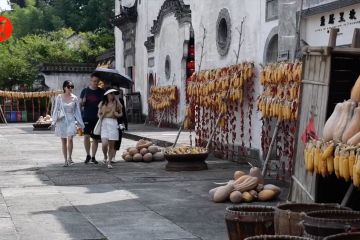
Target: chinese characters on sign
<point>5,28</point>
<point>341,18</point>
<point>317,27</point>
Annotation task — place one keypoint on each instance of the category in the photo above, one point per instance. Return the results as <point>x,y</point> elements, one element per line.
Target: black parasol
<point>114,77</point>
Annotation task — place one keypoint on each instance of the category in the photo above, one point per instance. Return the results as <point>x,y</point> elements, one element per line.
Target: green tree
<point>20,58</point>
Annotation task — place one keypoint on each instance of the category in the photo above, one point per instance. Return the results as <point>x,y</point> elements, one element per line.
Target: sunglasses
<point>70,86</point>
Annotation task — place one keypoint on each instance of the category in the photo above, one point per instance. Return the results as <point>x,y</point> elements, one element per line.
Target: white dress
<point>66,127</point>
<point>110,129</point>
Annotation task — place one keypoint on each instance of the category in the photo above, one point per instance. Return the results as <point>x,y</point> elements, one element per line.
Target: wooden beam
<point>332,37</point>
<point>313,82</point>
<point>356,38</point>
<point>347,51</point>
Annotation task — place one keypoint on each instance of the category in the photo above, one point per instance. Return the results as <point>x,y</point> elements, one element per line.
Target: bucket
<point>249,220</point>
<point>320,224</point>
<point>287,216</point>
<point>344,236</point>
<point>8,116</point>
<point>18,116</point>
<point>278,237</point>
<point>13,116</point>
<point>24,116</point>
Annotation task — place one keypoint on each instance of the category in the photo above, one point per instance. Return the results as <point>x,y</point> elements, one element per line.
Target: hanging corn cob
<point>326,158</point>
<point>163,97</point>
<point>281,82</point>
<point>216,89</point>
<point>21,95</point>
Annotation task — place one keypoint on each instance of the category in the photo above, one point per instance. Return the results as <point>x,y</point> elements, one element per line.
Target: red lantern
<point>190,64</point>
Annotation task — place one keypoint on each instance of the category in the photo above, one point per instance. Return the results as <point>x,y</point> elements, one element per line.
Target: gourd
<point>223,193</point>
<point>266,195</point>
<point>354,140</point>
<point>128,158</point>
<point>238,174</point>
<point>353,127</point>
<point>137,157</point>
<point>248,184</point>
<point>159,156</point>
<point>331,122</point>
<point>259,187</point>
<point>273,188</point>
<point>235,197</point>
<point>340,126</point>
<point>355,91</point>
<point>256,172</point>
<point>241,179</point>
<point>247,197</point>
<point>212,192</point>
<point>153,149</point>
<point>147,157</point>
<point>140,144</point>
<point>133,151</point>
<point>254,193</point>
<point>124,154</point>
<point>144,151</point>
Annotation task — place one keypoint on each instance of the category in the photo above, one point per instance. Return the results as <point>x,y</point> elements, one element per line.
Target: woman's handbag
<point>97,128</point>
<point>60,112</point>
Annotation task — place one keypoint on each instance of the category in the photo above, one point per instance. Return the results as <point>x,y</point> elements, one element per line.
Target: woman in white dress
<point>109,110</point>
<point>66,115</point>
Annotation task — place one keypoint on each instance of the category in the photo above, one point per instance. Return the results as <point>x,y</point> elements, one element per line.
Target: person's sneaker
<point>94,160</point>
<point>88,158</point>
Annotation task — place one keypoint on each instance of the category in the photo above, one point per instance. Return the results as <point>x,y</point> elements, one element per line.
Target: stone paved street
<point>40,199</point>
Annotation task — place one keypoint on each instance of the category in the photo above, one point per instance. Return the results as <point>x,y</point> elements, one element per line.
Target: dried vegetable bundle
<point>280,98</point>
<point>10,94</point>
<point>217,89</point>
<point>163,97</point>
<point>326,158</point>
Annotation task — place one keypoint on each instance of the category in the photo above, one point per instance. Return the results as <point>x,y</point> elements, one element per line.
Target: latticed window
<point>272,10</point>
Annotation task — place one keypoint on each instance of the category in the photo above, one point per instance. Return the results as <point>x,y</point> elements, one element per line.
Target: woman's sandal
<point>71,162</point>
<point>109,166</point>
<point>66,164</point>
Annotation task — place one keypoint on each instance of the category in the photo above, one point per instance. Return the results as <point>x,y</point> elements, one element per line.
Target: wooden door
<point>314,98</point>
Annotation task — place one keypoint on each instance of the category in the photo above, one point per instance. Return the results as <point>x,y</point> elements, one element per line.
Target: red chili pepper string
<point>250,92</point>
<point>242,135</point>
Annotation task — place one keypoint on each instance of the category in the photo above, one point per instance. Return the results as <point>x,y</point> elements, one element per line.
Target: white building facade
<point>152,39</point>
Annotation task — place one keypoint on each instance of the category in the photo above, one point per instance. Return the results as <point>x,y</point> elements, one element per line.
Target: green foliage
<point>36,16</point>
<point>71,31</point>
<point>20,58</point>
